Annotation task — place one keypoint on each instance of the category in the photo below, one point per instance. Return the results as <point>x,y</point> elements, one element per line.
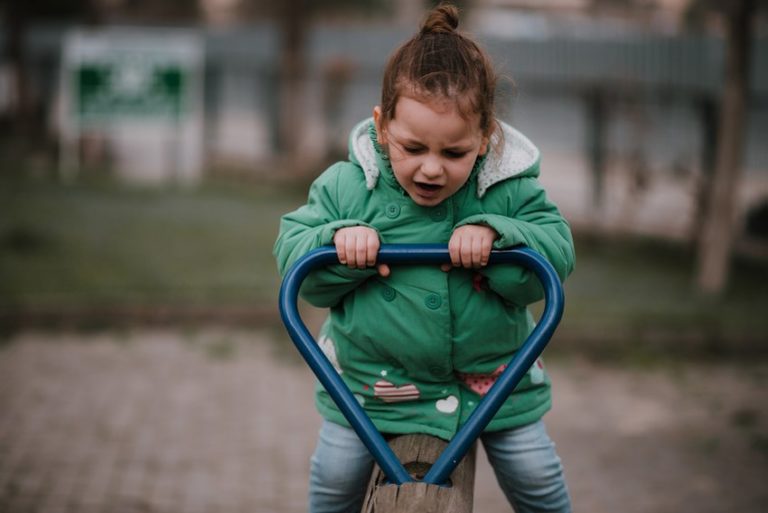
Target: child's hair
<point>441,63</point>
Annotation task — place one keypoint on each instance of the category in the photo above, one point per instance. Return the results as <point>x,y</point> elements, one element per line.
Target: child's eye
<point>451,154</point>
<point>413,150</point>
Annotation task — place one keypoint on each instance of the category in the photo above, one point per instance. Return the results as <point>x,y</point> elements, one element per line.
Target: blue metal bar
<point>523,359</point>
<point>329,378</point>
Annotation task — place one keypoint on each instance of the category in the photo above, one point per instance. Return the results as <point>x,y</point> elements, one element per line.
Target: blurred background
<point>149,148</point>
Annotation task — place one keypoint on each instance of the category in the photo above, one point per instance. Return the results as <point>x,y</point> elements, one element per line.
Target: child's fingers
<point>484,247</point>
<point>468,256</point>
<point>357,246</point>
<point>384,270</point>
<point>366,249</point>
<point>346,247</point>
<point>457,247</point>
<point>481,249</point>
<point>339,240</point>
<point>460,249</point>
<point>361,251</point>
<point>372,249</point>
<point>454,249</point>
<point>470,246</point>
<point>468,250</point>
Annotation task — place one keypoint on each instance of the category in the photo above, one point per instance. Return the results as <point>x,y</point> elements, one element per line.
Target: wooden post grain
<point>418,453</point>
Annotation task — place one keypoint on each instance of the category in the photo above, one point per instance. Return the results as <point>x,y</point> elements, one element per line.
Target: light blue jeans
<point>524,459</point>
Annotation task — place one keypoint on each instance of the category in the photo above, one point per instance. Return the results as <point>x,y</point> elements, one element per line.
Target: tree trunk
<point>597,108</point>
<point>16,17</point>
<point>717,238</point>
<point>707,108</point>
<point>293,23</point>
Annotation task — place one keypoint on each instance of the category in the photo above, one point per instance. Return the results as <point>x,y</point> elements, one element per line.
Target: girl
<point>420,345</point>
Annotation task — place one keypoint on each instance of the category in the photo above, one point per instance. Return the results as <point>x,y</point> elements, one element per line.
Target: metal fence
<point>241,81</point>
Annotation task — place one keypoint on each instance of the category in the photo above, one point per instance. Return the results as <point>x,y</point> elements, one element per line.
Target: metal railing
<point>522,360</point>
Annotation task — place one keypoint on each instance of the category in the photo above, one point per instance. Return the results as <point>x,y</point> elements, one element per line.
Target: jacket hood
<point>510,154</point>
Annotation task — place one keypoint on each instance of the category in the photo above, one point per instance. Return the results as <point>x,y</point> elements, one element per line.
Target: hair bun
<point>443,19</point>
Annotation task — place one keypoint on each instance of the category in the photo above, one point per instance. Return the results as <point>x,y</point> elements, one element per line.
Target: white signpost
<point>142,91</point>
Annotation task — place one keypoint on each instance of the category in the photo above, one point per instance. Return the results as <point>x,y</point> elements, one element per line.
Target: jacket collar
<point>510,154</point>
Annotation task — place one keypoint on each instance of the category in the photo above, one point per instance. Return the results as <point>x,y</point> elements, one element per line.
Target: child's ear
<point>483,146</point>
<point>381,136</point>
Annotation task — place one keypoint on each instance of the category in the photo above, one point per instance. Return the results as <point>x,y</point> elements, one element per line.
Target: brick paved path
<point>217,421</point>
<point>157,422</point>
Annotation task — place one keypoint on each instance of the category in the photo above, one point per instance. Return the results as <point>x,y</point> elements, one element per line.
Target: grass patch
<point>95,244</point>
<point>644,289</point>
<point>101,245</point>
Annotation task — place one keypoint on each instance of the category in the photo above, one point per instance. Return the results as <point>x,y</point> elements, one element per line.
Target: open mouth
<point>428,187</point>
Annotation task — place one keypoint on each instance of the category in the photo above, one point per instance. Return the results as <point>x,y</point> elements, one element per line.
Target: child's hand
<point>357,247</point>
<point>470,246</point>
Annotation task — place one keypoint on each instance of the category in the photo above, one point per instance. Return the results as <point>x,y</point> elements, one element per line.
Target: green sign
<point>129,88</point>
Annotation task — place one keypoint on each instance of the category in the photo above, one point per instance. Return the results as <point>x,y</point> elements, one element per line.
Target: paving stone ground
<point>216,420</point>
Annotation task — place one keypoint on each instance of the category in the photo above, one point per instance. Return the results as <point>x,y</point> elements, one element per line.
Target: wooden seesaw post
<point>448,476</point>
<point>418,453</point>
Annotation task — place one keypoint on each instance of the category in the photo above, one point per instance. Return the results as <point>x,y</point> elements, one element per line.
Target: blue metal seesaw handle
<point>523,359</point>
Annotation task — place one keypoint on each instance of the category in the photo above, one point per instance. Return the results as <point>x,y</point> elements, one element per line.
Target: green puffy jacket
<point>420,348</point>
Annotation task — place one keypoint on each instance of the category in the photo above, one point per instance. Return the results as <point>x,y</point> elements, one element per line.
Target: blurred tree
<point>151,11</point>
<point>25,120</point>
<point>295,18</point>
<point>716,238</point>
<point>17,17</point>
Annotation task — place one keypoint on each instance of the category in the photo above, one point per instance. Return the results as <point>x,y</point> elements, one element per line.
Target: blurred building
<point>620,98</point>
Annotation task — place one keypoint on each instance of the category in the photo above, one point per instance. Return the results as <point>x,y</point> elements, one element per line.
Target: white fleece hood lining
<point>517,156</point>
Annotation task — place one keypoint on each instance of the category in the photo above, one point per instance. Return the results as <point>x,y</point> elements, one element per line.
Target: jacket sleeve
<point>525,217</point>
<point>311,226</point>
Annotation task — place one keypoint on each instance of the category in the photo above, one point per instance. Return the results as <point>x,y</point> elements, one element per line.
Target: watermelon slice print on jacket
<point>389,393</point>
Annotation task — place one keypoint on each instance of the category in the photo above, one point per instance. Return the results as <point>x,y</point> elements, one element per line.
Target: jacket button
<point>438,214</point>
<point>433,301</point>
<point>392,210</point>
<point>388,293</point>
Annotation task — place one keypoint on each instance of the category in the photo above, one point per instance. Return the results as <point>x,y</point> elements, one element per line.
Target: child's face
<point>432,148</point>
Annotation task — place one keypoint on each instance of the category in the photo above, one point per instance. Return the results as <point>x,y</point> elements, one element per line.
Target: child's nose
<point>432,167</point>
